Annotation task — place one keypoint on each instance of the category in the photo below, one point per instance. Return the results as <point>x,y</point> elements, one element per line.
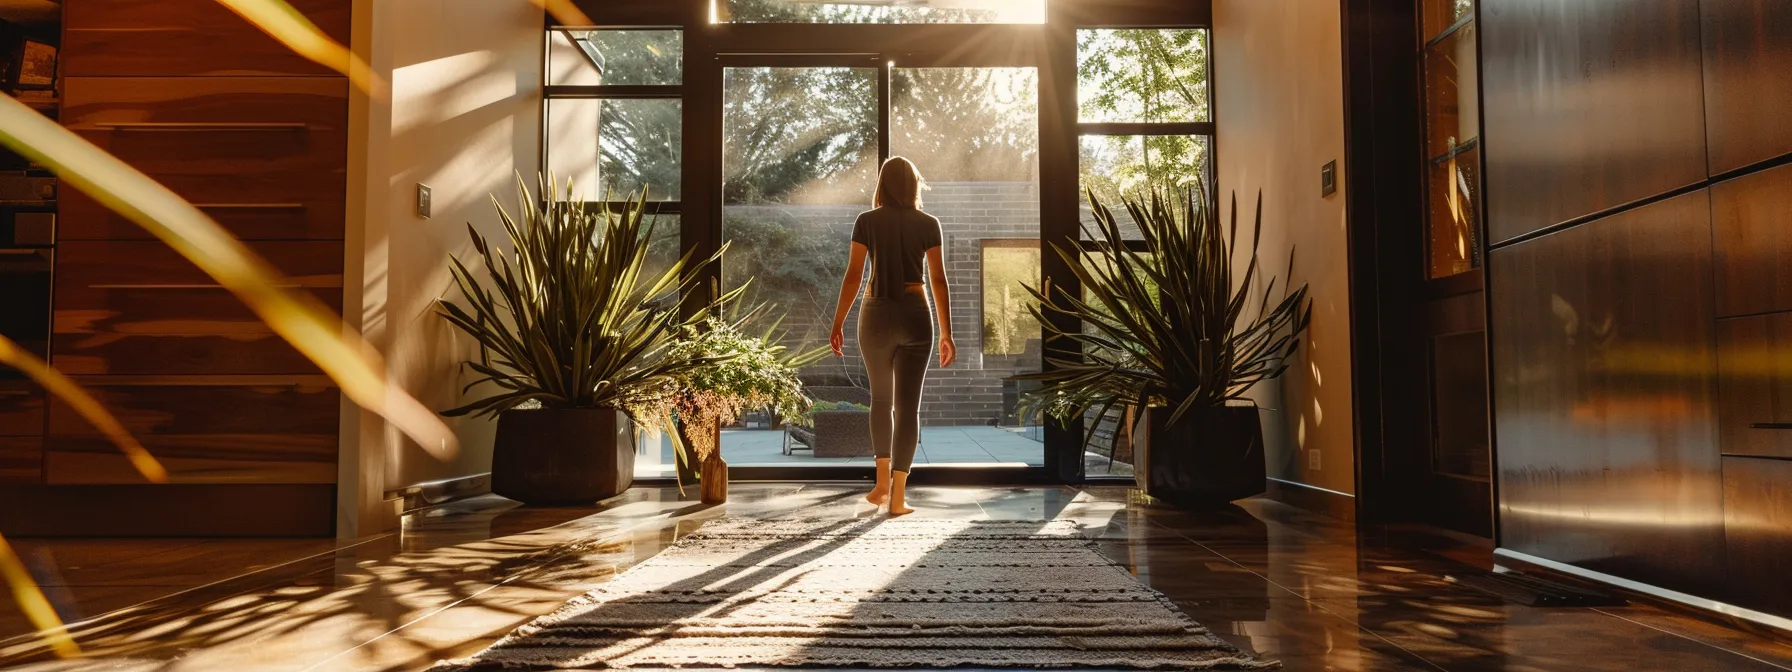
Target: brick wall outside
<point>971,391</point>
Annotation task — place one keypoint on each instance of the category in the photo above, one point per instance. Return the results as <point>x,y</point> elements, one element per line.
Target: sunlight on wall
<point>463,118</point>
<point>1279,99</point>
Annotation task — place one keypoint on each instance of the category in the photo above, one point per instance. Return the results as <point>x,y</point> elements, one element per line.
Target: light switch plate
<point>423,200</point>
<point>1328,179</point>
<point>1313,459</point>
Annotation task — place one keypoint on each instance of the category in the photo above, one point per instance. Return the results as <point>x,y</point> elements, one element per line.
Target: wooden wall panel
<point>1748,81</point>
<point>83,218</point>
<point>276,143</point>
<point>21,408</point>
<point>1604,375</point>
<point>137,307</point>
<point>21,459</point>
<point>1754,371</point>
<point>260,429</point>
<point>162,510</point>
<point>1751,219</point>
<point>1589,105</point>
<point>149,38</point>
<point>1758,532</point>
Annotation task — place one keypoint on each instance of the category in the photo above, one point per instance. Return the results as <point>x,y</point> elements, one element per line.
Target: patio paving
<point>969,445</point>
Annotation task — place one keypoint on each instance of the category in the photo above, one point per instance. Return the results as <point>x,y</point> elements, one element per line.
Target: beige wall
<point>464,118</point>
<point>1279,91</point>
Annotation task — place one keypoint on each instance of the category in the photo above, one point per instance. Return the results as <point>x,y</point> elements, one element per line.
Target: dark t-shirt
<point>898,239</point>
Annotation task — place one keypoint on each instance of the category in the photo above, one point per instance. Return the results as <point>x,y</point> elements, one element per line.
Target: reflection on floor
<point>1312,592</point>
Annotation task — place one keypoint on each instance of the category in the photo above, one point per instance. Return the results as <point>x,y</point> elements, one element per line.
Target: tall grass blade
<point>36,607</point>
<point>300,319</point>
<point>565,12</point>
<point>89,408</point>
<point>290,27</point>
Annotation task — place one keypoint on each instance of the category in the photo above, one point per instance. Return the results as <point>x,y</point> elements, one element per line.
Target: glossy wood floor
<point>1274,580</point>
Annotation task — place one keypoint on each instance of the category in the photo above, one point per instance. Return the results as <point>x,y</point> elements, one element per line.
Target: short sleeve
<point>933,238</point>
<point>861,231</point>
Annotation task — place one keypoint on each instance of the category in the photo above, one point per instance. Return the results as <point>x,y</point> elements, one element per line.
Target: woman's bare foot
<point>899,492</point>
<point>880,493</point>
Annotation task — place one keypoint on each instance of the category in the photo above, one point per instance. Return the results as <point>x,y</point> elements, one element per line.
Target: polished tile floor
<point>1285,584</point>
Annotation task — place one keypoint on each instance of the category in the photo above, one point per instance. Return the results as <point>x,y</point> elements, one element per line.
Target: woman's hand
<point>948,351</point>
<point>838,340</point>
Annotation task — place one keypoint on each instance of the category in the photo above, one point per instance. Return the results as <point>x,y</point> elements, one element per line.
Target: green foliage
<point>1164,326</point>
<point>1142,75</point>
<point>565,317</point>
<point>1007,317</point>
<point>808,419</point>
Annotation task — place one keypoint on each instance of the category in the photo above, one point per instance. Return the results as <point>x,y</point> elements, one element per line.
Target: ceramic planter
<point>1209,457</point>
<point>563,456</point>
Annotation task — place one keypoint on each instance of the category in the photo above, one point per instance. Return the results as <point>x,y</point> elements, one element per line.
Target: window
<point>1145,114</point>
<point>879,11</point>
<point>1145,121</point>
<point>1452,146</point>
<point>615,57</point>
<point>1009,267</point>
<point>613,124</point>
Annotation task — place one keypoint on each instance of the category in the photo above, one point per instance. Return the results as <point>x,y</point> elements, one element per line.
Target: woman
<point>895,330</point>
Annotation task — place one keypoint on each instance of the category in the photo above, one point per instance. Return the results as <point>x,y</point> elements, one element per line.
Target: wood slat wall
<point>257,137</point>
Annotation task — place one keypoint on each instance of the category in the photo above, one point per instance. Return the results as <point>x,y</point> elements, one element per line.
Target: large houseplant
<point>572,331</point>
<point>746,371</point>
<point>1174,329</point>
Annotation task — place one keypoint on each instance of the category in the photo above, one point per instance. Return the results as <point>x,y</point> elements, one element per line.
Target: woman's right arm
<point>849,287</point>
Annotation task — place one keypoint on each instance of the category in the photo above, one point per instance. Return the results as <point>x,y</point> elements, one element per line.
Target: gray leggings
<point>896,340</point>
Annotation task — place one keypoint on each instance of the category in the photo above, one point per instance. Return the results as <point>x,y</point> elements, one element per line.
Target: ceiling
<point>31,12</point>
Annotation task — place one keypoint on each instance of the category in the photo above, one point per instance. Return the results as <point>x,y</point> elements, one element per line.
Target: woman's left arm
<point>942,305</point>
<point>849,287</point>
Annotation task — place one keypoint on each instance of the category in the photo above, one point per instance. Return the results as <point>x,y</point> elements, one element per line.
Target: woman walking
<point>895,329</point>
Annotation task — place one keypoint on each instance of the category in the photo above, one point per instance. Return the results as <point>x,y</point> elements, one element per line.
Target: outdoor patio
<point>963,446</point>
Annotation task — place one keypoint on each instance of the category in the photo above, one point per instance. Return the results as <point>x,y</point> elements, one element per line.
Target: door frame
<point>1385,211</point>
<point>1050,47</point>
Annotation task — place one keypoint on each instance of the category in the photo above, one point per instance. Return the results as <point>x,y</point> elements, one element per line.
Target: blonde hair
<point>899,185</point>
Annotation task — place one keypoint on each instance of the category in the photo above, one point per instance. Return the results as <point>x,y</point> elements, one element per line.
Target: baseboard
<point>1510,559</point>
<point>169,510</point>
<point>1332,503</point>
<point>436,493</point>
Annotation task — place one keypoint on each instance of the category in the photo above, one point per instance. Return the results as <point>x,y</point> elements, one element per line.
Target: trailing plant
<point>743,371</point>
<point>566,317</point>
<point>1163,325</point>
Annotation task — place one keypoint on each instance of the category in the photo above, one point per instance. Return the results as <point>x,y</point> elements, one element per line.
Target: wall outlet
<point>1313,460</point>
<point>423,200</point>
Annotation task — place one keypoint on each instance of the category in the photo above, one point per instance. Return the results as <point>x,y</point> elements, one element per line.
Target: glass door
<point>802,139</point>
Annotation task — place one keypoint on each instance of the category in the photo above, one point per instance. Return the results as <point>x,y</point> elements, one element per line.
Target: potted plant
<point>571,333</point>
<point>745,372</point>
<point>1166,330</point>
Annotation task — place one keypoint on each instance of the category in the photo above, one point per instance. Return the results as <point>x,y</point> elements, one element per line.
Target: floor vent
<point>1535,592</point>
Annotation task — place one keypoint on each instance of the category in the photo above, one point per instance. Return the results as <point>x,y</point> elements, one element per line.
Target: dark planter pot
<point>1210,457</point>
<point>563,456</point>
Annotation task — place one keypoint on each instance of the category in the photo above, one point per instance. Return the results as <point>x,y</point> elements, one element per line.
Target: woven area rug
<point>869,593</point>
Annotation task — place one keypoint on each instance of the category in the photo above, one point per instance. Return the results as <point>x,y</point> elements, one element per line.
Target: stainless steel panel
<point>1748,80</point>
<point>1589,104</point>
<point>1603,384</point>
